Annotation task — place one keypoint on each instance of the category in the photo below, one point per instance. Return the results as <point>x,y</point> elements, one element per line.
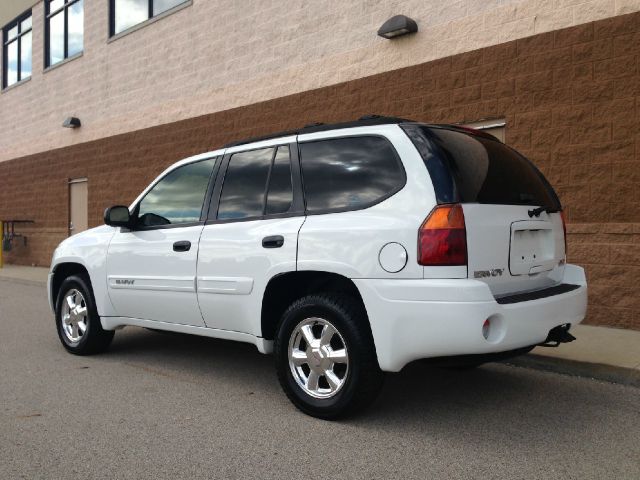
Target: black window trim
<point>5,44</point>
<point>381,199</point>
<point>297,205</point>
<point>47,20</point>
<point>205,204</point>
<point>150,18</point>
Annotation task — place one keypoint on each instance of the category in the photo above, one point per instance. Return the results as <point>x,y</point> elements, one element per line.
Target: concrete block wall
<point>215,55</point>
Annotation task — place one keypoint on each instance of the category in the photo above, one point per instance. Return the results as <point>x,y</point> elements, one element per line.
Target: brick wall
<point>571,99</point>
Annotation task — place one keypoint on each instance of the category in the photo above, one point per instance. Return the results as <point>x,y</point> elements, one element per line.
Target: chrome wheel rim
<point>318,357</point>
<point>74,316</point>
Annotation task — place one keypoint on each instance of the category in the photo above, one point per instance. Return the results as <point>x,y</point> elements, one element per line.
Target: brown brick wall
<point>571,99</point>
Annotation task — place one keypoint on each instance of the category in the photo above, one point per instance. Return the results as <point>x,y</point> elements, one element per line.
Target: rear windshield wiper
<point>537,211</point>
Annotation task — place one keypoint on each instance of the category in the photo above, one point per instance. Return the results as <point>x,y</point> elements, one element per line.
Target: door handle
<point>274,241</point>
<point>182,246</point>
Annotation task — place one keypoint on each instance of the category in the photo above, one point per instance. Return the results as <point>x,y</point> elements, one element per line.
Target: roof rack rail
<point>365,121</point>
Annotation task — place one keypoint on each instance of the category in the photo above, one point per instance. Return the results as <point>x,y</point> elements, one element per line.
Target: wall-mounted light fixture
<point>71,122</point>
<point>397,26</point>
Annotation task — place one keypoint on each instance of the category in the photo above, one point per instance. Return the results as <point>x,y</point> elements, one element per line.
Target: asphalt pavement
<point>176,406</point>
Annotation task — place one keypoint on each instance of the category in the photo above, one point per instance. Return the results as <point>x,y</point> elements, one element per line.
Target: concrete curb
<point>598,371</point>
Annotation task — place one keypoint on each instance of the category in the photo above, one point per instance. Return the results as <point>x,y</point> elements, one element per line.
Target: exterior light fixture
<point>397,26</point>
<point>71,122</point>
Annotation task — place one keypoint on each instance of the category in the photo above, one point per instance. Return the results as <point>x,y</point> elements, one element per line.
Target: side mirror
<point>117,216</point>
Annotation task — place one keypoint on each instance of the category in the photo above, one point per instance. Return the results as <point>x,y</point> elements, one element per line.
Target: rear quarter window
<point>349,173</point>
<point>473,169</point>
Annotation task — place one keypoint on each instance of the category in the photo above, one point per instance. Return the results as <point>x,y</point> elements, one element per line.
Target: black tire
<point>95,339</point>
<point>363,380</point>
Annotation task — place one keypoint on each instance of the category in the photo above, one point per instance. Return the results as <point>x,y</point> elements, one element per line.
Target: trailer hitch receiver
<point>558,335</point>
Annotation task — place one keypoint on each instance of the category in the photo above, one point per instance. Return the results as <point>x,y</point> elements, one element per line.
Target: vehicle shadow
<point>489,401</point>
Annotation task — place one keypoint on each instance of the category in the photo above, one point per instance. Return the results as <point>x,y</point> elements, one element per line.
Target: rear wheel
<point>325,357</point>
<point>77,320</point>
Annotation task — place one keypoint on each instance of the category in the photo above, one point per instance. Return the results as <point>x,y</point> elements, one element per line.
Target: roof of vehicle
<point>366,121</point>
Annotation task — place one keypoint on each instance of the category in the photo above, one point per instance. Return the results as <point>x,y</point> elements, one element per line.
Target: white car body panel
<point>216,289</point>
<point>225,285</point>
<point>89,249</point>
<point>349,243</point>
<point>490,229</point>
<point>234,269</point>
<point>148,280</point>
<point>414,319</point>
<point>114,323</point>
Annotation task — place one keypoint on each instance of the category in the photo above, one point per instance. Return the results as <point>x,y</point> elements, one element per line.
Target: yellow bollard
<point>1,241</point>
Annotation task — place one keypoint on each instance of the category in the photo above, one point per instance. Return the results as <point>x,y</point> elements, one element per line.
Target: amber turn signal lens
<point>442,238</point>
<point>445,216</point>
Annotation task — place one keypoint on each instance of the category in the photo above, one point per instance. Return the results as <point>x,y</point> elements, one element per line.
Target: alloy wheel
<point>318,357</point>
<point>74,316</point>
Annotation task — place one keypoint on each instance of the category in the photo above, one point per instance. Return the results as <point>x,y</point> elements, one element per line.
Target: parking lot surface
<point>175,406</point>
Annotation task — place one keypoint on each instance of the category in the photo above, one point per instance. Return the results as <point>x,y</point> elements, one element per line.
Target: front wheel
<point>325,357</point>
<point>77,320</point>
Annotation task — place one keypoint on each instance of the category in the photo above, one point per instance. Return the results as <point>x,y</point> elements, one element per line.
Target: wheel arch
<point>64,270</point>
<point>284,288</point>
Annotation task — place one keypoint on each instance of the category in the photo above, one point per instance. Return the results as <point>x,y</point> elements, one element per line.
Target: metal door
<point>78,210</point>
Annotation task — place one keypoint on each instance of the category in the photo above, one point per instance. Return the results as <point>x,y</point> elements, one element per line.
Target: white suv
<point>347,250</point>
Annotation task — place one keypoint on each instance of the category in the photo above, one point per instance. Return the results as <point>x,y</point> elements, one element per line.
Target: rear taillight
<point>442,238</point>
<point>564,229</point>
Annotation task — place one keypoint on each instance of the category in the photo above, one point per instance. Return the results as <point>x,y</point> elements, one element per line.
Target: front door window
<point>178,197</point>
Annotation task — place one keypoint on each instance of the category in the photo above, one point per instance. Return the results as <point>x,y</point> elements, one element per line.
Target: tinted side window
<point>244,186</point>
<point>280,195</point>
<point>178,197</point>
<point>349,173</point>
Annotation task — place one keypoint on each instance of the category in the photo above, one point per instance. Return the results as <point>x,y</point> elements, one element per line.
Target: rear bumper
<point>414,319</point>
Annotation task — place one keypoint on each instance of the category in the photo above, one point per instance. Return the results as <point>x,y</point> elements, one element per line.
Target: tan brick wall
<point>220,54</point>
<point>610,252</point>
<point>571,100</point>
<point>11,9</point>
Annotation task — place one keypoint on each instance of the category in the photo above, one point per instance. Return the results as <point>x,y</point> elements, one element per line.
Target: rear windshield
<point>472,169</point>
